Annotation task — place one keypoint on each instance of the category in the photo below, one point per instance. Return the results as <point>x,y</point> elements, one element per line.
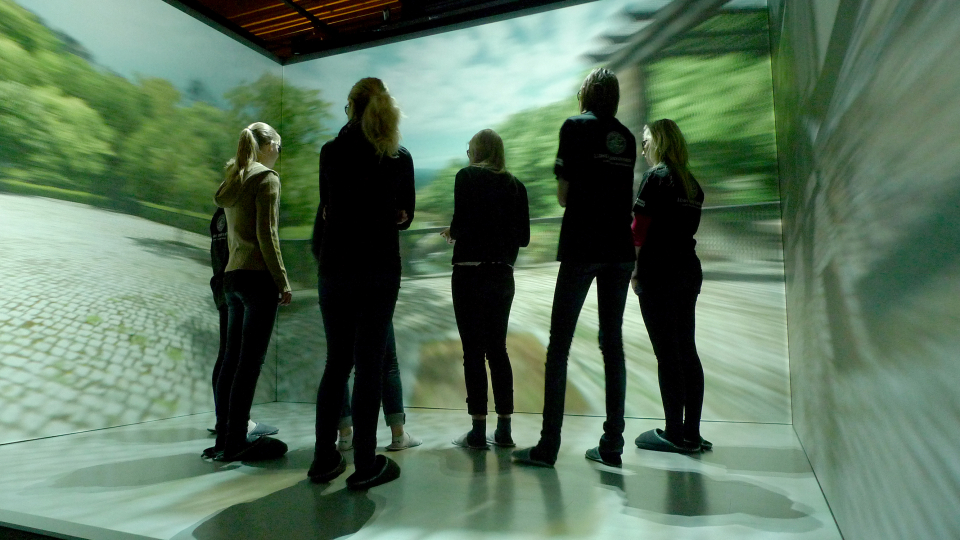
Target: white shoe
<point>403,442</point>
<point>345,442</point>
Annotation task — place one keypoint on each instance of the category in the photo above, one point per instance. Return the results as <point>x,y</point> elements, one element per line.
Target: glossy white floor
<point>147,480</point>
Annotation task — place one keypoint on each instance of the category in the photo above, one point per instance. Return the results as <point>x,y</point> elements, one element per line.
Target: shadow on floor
<point>172,248</point>
<point>753,459</point>
<point>302,511</point>
<point>139,472</point>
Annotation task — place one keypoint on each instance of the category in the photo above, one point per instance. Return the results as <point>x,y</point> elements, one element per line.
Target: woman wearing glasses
<point>254,283</point>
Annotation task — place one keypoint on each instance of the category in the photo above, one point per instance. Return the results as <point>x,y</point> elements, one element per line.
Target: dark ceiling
<point>290,30</point>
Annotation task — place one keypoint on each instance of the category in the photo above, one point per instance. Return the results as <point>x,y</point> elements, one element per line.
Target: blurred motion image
<point>125,149</point>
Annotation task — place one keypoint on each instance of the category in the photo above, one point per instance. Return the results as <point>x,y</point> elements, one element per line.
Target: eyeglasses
<point>644,144</point>
<point>346,110</point>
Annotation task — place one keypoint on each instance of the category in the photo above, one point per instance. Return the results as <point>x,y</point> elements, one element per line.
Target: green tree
<point>724,105</point>
<point>299,114</point>
<point>530,140</point>
<point>59,141</point>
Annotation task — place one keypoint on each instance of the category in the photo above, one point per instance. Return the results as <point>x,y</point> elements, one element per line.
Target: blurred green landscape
<point>144,147</point>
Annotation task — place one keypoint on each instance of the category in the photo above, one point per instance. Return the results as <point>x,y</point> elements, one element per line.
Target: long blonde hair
<point>486,150</point>
<point>252,138</point>
<point>378,113</point>
<point>668,146</point>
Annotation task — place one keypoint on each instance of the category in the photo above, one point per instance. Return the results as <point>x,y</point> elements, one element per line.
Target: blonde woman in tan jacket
<point>255,283</point>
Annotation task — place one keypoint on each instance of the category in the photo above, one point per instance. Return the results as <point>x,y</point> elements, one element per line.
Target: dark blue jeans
<point>357,310</point>
<point>392,391</point>
<point>251,312</point>
<point>573,284</point>
<point>482,296</point>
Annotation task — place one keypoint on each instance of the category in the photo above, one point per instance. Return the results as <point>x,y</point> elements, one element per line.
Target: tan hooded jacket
<point>252,207</point>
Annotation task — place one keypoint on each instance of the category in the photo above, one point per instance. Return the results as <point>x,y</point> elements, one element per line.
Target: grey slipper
<point>654,440</point>
<point>613,460</point>
<point>705,445</point>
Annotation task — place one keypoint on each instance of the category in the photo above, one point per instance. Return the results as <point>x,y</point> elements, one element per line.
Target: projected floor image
<point>741,329</point>
<point>149,480</point>
<point>106,319</point>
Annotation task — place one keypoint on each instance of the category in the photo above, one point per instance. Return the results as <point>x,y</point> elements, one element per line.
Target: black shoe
<point>262,449</point>
<point>384,470</point>
<point>471,440</point>
<point>503,440</point>
<point>528,456</point>
<point>322,471</point>
<point>607,458</point>
<point>655,440</point>
<point>211,453</point>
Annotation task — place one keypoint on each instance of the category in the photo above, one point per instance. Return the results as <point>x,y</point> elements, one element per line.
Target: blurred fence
<point>739,233</point>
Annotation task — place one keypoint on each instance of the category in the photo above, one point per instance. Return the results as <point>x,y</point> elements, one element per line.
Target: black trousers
<point>668,307</point>
<point>224,313</point>
<point>251,312</point>
<point>573,284</point>
<point>357,310</point>
<point>482,297</point>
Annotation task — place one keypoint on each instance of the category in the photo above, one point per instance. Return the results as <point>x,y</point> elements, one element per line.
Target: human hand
<point>634,282</point>
<point>446,236</point>
<point>285,298</point>
<point>402,217</point>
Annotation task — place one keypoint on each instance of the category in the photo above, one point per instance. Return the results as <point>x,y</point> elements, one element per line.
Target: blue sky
<point>453,84</point>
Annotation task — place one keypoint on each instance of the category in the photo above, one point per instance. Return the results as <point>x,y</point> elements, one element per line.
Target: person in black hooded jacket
<point>367,196</point>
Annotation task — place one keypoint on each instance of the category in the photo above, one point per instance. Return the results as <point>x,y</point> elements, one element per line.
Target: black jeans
<point>251,312</point>
<point>357,309</point>
<point>482,296</point>
<point>668,306</point>
<point>573,284</point>
<point>224,319</point>
<point>392,390</point>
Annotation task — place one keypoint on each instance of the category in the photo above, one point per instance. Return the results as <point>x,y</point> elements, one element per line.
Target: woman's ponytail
<point>379,115</point>
<point>248,148</point>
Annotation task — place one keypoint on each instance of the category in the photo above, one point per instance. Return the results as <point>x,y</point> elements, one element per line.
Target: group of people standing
<point>367,196</point>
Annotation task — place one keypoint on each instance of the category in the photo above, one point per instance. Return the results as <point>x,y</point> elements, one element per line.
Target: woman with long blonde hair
<point>255,283</point>
<point>491,222</point>
<point>667,280</point>
<point>366,197</point>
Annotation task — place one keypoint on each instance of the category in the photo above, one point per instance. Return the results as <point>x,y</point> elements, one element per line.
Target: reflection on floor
<point>148,481</point>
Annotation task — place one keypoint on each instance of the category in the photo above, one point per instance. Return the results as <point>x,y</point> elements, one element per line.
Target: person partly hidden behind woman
<point>667,279</point>
<point>491,222</point>
<point>367,193</point>
<point>254,283</point>
<point>594,170</point>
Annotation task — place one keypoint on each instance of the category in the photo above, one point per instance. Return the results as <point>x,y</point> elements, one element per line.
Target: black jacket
<point>362,194</point>
<point>491,216</point>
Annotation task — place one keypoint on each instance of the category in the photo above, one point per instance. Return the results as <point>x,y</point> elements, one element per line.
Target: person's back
<point>596,157</point>
<point>594,170</point>
<point>360,194</point>
<point>491,221</point>
<point>674,218</point>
